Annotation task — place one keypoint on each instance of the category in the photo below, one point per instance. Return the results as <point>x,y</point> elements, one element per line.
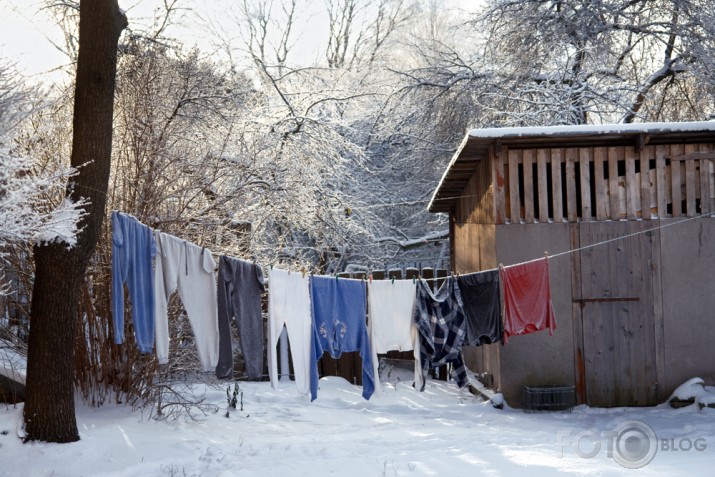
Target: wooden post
<point>557,185</point>
<point>660,184</point>
<point>528,160</point>
<point>585,180</point>
<point>542,157</point>
<point>645,182</point>
<point>579,360</point>
<point>498,158</point>
<point>514,201</point>
<point>706,191</point>
<point>631,186</point>
<point>676,183</point>
<point>571,212</point>
<point>614,154</point>
<point>690,182</point>
<point>599,157</point>
<point>441,277</point>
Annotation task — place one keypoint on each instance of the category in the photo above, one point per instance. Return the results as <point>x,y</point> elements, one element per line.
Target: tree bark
<point>60,271</point>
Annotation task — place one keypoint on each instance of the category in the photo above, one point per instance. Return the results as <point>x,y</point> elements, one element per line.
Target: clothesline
<point>604,242</point>
<point>319,313</point>
<point>547,254</point>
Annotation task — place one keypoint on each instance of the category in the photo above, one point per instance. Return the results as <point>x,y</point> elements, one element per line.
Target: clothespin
<point>336,277</point>
<point>546,254</point>
<point>393,280</point>
<point>371,279</point>
<point>413,280</point>
<point>302,271</point>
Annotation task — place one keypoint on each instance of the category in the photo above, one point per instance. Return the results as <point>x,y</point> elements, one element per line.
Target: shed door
<point>617,314</point>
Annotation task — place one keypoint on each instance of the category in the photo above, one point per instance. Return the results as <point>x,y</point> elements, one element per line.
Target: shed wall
<point>688,280</point>
<point>544,200</point>
<point>538,358</point>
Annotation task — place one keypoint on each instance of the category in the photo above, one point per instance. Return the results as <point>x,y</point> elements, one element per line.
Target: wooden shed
<point>625,211</point>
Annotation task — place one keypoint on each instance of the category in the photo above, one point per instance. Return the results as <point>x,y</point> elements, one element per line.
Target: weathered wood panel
<point>602,204</point>
<point>658,315</point>
<point>498,158</point>
<point>557,184</point>
<point>631,185</point>
<point>660,182</point>
<point>576,315</point>
<point>514,158</point>
<point>571,200</point>
<point>690,183</point>
<point>528,161</point>
<point>705,191</point>
<point>585,156</point>
<point>711,174</point>
<point>641,342</point>
<point>619,333</point>
<point>676,184</point>
<point>645,186</point>
<point>600,183</point>
<point>614,154</point>
<point>476,203</point>
<point>542,159</point>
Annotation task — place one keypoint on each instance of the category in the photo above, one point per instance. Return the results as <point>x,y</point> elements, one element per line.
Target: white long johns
<point>188,268</point>
<point>390,308</point>
<point>289,305</point>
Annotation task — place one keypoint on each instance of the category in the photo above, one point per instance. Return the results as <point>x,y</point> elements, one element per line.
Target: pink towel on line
<point>527,298</point>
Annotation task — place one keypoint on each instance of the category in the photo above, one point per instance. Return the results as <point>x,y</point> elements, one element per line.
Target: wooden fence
<point>604,183</point>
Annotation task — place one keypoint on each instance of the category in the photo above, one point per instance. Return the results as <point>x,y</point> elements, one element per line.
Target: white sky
<point>27,33</point>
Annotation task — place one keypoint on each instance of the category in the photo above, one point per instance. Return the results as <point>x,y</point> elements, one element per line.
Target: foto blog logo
<point>632,444</point>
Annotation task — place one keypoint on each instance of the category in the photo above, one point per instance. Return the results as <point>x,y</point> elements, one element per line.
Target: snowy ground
<point>441,431</point>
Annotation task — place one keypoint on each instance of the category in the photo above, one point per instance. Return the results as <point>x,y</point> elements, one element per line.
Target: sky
<point>30,40</point>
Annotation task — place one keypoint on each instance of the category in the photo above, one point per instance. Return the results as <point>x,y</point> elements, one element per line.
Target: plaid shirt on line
<point>439,318</point>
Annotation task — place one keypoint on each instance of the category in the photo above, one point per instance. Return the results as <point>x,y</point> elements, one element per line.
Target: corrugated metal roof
<point>476,143</point>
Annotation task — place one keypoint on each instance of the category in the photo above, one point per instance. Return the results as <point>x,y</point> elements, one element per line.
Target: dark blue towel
<point>482,307</point>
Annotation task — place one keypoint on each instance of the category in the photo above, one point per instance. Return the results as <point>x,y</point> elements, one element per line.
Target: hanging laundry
<point>390,327</point>
<point>339,326</point>
<point>289,306</point>
<point>188,268</point>
<point>133,249</point>
<point>239,287</point>
<point>482,307</point>
<point>440,321</point>
<point>527,298</point>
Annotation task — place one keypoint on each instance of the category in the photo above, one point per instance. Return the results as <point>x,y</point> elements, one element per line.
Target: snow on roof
<point>475,143</point>
<point>593,129</point>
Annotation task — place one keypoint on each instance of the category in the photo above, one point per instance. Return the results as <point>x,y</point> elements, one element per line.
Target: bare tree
<point>50,416</point>
<point>358,31</point>
<point>27,209</point>
<point>608,60</point>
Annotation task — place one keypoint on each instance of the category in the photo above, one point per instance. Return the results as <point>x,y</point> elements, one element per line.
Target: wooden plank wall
<point>477,202</point>
<point>617,300</point>
<point>594,184</point>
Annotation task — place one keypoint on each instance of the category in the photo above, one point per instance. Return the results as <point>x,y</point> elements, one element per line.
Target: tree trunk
<point>59,272</point>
